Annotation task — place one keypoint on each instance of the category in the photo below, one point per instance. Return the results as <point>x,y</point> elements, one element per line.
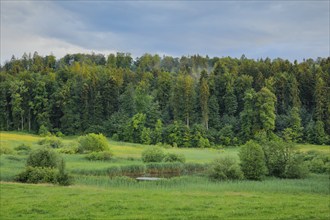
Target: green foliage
<point>146,136</point>
<point>319,134</point>
<point>23,147</point>
<point>252,161</point>
<point>59,134</point>
<point>87,93</point>
<point>225,168</point>
<point>152,154</point>
<point>93,142</point>
<point>265,110</point>
<point>38,175</point>
<point>296,168</point>
<point>43,157</point>
<point>317,162</point>
<point>101,155</point>
<point>134,128</point>
<point>68,149</point>
<point>226,135</point>
<point>283,161</point>
<point>43,131</point>
<point>62,177</point>
<point>277,155</point>
<point>52,142</point>
<point>157,133</point>
<point>172,157</point>
<point>294,132</point>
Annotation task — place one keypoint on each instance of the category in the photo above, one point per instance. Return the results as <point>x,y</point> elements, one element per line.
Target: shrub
<point>93,142</point>
<point>152,154</point>
<point>23,147</point>
<point>43,157</point>
<point>43,131</point>
<point>62,177</point>
<point>68,150</point>
<point>296,168</point>
<point>277,155</point>
<point>14,158</point>
<point>252,161</point>
<point>317,163</point>
<point>172,157</point>
<point>59,134</point>
<point>225,168</point>
<point>52,142</point>
<point>102,155</point>
<point>38,175</point>
<point>115,137</point>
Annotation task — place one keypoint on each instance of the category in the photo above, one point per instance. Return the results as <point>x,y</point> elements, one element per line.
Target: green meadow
<point>94,195</point>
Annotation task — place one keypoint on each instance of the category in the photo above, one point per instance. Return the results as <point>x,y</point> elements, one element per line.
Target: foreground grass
<point>188,197</point>
<point>149,201</point>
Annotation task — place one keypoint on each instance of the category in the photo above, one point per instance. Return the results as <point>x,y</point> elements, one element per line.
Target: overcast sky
<point>287,29</point>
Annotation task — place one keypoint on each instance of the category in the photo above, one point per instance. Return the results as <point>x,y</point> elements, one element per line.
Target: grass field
<point>185,197</point>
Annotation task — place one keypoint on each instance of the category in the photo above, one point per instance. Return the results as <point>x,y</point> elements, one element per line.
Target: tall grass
<point>315,184</point>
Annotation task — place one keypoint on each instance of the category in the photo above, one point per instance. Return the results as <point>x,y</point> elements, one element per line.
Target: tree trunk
<point>22,122</point>
<point>29,120</point>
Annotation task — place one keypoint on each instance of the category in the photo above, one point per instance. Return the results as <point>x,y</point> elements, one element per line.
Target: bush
<point>59,134</point>
<point>93,142</point>
<point>23,147</point>
<point>102,155</point>
<point>68,150</point>
<point>296,168</point>
<point>317,162</point>
<point>252,161</point>
<point>277,155</point>
<point>38,175</point>
<point>43,157</point>
<point>52,142</point>
<point>152,154</point>
<point>172,157</point>
<point>317,165</point>
<point>62,177</point>
<point>14,158</point>
<point>225,168</point>
<point>43,131</point>
<point>115,137</point>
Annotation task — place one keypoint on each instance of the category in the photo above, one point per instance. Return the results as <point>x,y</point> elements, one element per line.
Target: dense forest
<point>192,101</point>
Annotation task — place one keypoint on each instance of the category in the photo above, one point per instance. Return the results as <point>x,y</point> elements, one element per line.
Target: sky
<point>292,30</point>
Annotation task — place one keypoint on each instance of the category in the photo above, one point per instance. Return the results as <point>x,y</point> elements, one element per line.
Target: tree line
<point>192,101</point>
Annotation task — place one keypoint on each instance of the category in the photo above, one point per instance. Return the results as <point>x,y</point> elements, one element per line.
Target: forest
<point>192,101</point>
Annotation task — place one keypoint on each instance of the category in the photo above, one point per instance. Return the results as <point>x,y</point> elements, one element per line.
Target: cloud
<point>292,30</point>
